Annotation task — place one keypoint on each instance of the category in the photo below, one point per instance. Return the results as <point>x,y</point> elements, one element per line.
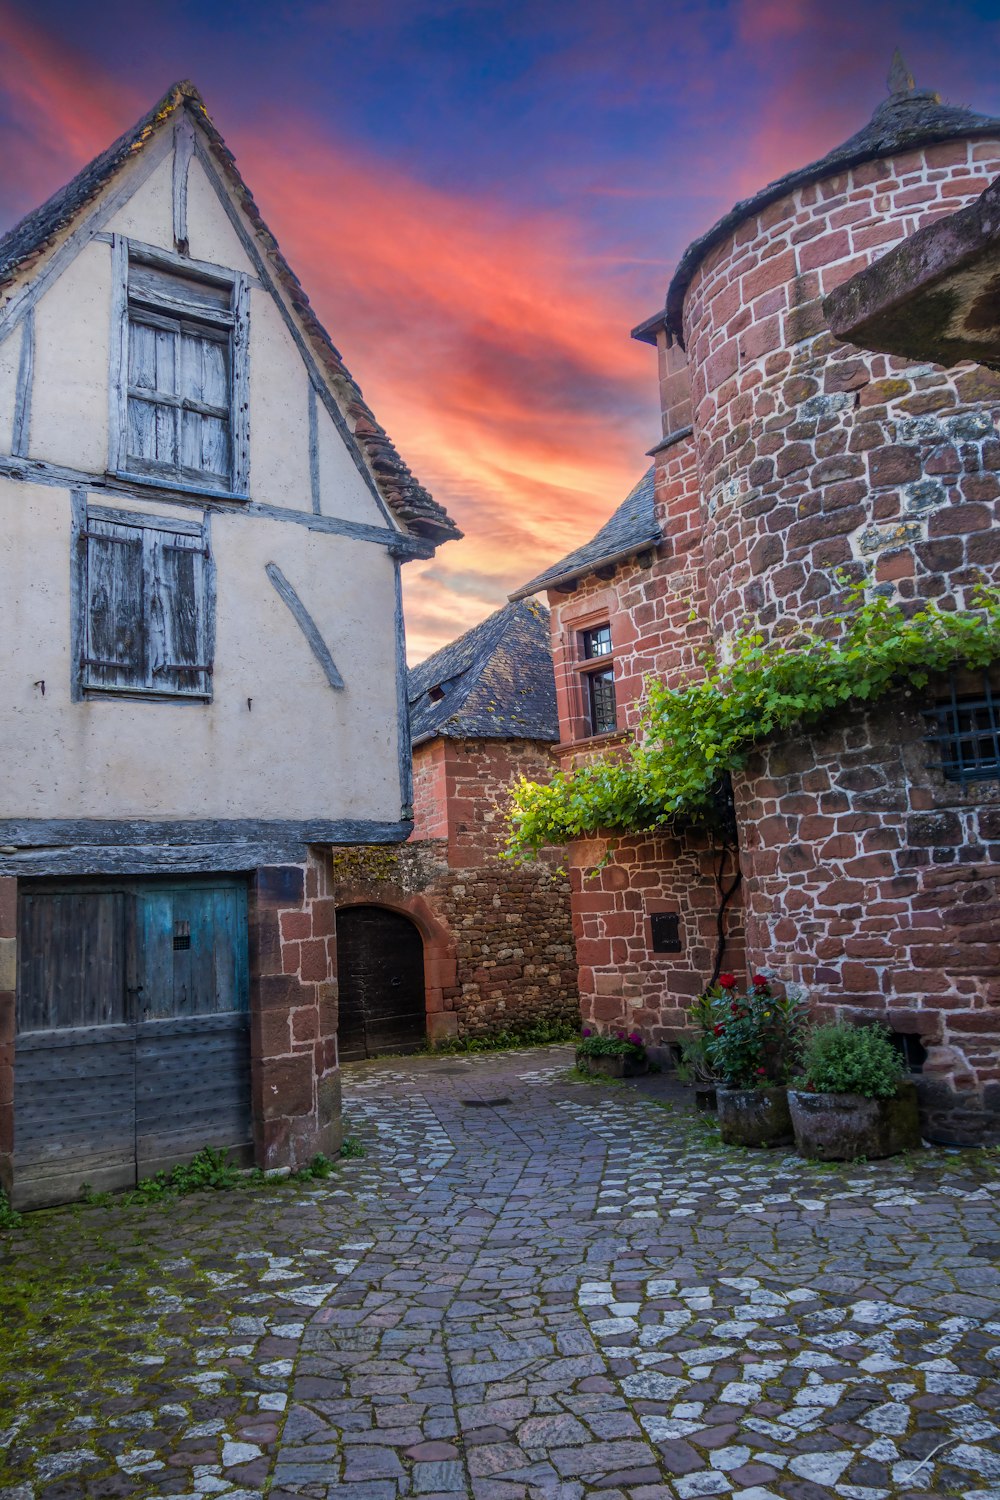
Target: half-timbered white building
<point>201,669</point>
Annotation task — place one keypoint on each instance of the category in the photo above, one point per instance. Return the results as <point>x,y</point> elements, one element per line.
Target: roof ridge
<point>34,234</point>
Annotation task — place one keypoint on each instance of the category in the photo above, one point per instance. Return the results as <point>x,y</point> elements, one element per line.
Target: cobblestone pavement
<point>529,1289</point>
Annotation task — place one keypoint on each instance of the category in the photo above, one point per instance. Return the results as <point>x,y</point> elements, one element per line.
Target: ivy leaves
<point>690,735</point>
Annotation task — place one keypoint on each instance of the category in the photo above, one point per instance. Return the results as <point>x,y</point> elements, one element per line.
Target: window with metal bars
<point>603,708</point>
<point>966,731</point>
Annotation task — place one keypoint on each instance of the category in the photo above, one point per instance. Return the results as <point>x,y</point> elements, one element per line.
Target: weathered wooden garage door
<point>380,964</point>
<point>133,1044</point>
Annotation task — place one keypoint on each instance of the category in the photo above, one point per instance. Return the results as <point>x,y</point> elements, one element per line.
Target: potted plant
<point>694,1065</point>
<point>615,1056</point>
<point>753,1049</point>
<point>853,1098</point>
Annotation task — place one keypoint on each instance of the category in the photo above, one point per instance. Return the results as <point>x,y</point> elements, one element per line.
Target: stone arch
<point>440,957</point>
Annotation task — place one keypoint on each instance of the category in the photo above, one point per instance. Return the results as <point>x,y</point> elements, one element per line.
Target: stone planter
<point>842,1127</point>
<point>754,1117</point>
<point>612,1066</point>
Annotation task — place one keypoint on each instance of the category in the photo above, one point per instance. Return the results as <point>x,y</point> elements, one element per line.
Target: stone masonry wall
<point>658,615</point>
<point>873,885</point>
<point>498,943</point>
<point>867,875</point>
<point>295,1076</point>
<point>623,983</point>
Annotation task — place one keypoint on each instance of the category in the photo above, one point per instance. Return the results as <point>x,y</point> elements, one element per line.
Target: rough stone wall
<point>498,942</point>
<point>623,983</point>
<point>658,615</point>
<point>295,1077</point>
<point>866,874</point>
<point>874,884</point>
<point>815,455</point>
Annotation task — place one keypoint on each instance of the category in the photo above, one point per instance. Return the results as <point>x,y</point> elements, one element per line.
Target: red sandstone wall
<point>814,455</point>
<point>658,616</point>
<point>870,881</point>
<point>295,1077</point>
<point>498,941</point>
<point>622,981</point>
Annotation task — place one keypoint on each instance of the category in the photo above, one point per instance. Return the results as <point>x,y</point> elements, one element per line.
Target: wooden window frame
<point>229,323</point>
<point>588,667</point>
<point>152,530</point>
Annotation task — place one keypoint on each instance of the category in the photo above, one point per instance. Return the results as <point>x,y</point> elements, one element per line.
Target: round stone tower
<point>872,878</point>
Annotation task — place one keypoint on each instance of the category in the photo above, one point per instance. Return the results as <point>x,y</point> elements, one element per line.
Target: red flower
<point>728,981</point>
<point>719,1029</point>
<point>762,982</point>
<point>761,1071</point>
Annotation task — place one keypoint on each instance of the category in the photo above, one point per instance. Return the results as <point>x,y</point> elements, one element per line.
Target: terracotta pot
<point>754,1117</point>
<point>842,1127</point>
<point>612,1066</point>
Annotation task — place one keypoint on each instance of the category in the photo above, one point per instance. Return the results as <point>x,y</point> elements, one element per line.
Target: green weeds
<point>542,1034</point>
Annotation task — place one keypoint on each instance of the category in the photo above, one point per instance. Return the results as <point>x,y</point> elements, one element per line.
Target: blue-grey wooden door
<point>193,1026</point>
<point>132,1050</point>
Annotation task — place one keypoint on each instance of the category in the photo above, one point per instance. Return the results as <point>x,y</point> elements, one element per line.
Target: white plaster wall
<point>10,358</point>
<point>343,491</point>
<point>149,213</point>
<point>300,751</point>
<point>279,410</point>
<point>69,397</point>
<point>210,234</point>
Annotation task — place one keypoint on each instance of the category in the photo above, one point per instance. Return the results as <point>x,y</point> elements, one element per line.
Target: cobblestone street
<point>529,1287</point>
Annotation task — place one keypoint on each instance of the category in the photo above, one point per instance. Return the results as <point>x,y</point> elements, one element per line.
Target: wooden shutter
<point>178,636</point>
<point>205,412</point>
<point>115,635</point>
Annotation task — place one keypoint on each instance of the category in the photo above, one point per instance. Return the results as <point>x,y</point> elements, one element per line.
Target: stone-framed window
<point>597,678</point>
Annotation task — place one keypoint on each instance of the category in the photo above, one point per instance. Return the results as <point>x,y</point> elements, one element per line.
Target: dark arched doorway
<point>380,964</point>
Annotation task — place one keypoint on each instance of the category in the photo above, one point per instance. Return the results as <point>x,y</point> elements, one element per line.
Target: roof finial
<point>900,79</point>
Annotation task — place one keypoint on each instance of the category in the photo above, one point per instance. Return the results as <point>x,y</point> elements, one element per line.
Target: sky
<point>482,197</point>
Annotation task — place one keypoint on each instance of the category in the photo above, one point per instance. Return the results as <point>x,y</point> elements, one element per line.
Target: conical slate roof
<point>29,240</point>
<point>908,118</point>
<point>495,682</point>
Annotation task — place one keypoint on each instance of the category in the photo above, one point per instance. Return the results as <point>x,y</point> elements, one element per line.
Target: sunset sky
<point>482,198</point>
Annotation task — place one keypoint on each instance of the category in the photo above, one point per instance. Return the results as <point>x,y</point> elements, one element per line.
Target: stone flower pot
<point>612,1066</point>
<point>754,1117</point>
<point>842,1127</point>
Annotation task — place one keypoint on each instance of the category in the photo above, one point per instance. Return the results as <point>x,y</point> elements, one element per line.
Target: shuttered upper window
<point>179,390</point>
<point>145,602</point>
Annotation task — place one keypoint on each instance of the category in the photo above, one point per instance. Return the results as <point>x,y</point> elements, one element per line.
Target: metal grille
<point>967,733</point>
<point>603,715</point>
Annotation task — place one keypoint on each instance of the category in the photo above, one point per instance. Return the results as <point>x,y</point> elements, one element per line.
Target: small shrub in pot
<point>617,1055</point>
<point>754,1049</point>
<point>854,1097</point>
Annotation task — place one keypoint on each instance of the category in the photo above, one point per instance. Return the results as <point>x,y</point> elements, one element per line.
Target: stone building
<point>793,461</point>
<point>439,938</point>
<point>202,670</point>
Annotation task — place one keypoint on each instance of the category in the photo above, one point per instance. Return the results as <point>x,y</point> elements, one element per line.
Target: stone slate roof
<point>29,240</point>
<point>632,528</point>
<point>908,118</point>
<point>497,681</point>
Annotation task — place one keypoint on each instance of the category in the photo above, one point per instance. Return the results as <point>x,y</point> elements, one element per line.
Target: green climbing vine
<point>690,735</point>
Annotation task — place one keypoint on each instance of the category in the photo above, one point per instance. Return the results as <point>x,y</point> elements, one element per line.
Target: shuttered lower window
<point>145,598</point>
